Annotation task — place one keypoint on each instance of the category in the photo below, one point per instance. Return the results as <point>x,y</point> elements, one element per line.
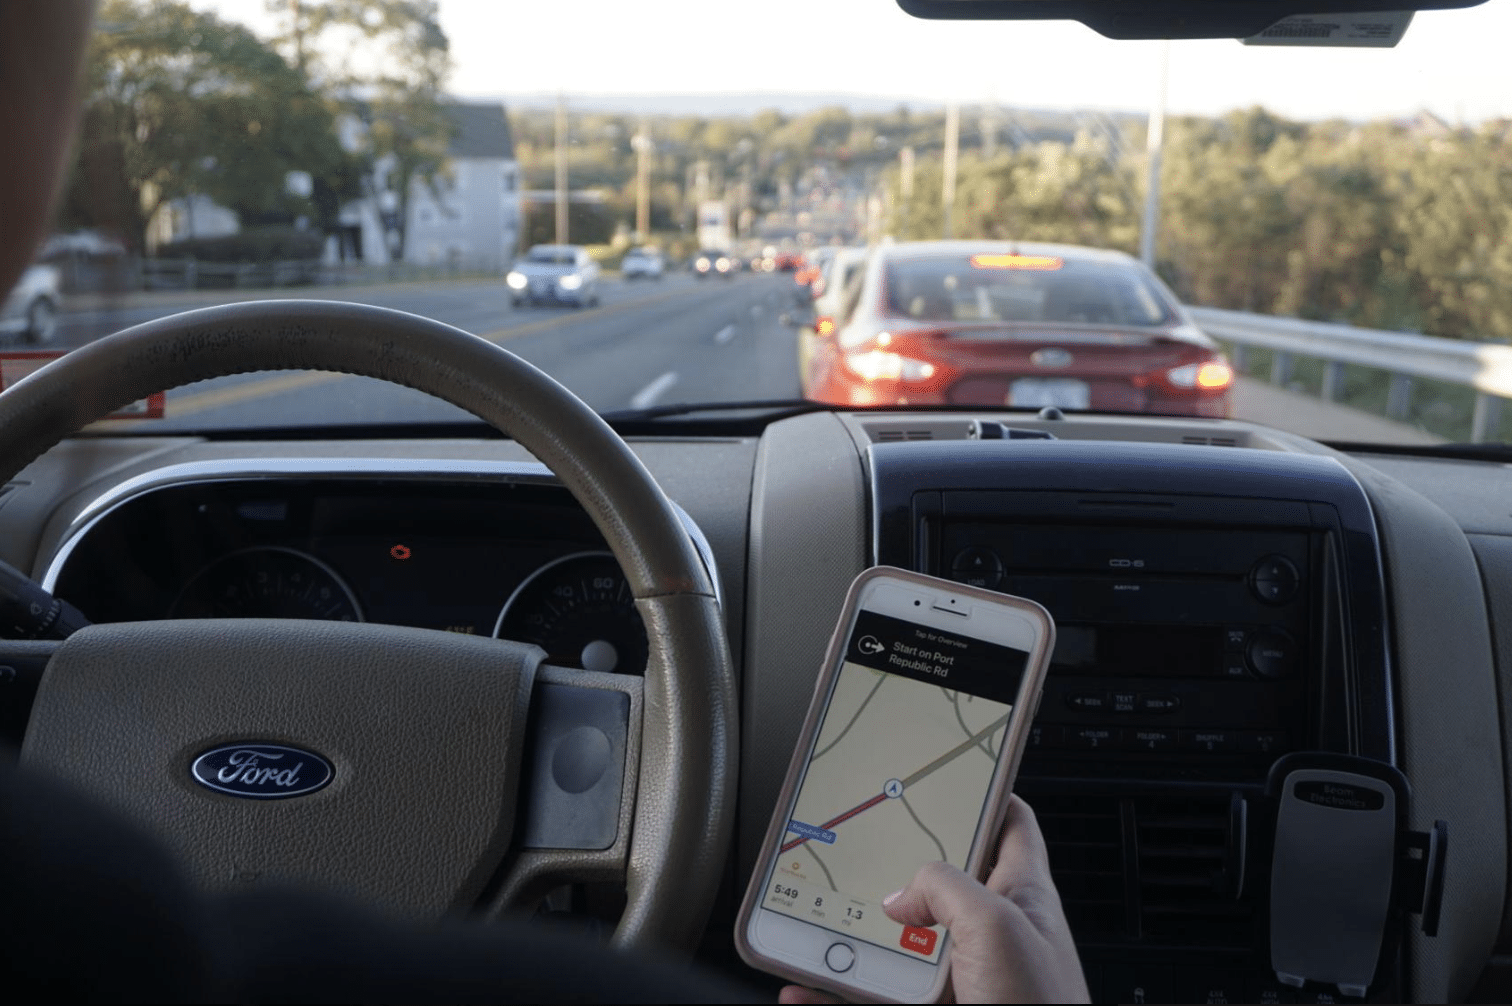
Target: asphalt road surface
<point>650,342</point>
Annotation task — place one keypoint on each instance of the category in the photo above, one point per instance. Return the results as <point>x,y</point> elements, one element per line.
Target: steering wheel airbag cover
<point>423,729</point>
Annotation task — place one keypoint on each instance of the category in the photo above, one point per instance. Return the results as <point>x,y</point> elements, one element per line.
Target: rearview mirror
<point>1126,19</point>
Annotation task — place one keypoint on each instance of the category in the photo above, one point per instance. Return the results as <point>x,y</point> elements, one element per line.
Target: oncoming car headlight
<point>570,282</point>
<point>516,281</point>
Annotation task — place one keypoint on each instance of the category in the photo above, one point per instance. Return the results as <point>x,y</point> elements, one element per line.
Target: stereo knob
<point>1274,579</point>
<point>1271,653</point>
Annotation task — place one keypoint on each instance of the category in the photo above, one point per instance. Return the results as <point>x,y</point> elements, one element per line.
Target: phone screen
<point>899,775</point>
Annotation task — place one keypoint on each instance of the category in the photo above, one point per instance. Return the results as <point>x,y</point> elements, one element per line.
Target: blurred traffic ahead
<point>555,274</point>
<point>997,324</point>
<point>31,309</point>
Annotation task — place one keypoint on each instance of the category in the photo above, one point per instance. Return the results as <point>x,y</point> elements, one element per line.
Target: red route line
<point>826,826</point>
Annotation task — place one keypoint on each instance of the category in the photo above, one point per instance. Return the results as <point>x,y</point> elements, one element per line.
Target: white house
<point>474,215</point>
<point>470,216</point>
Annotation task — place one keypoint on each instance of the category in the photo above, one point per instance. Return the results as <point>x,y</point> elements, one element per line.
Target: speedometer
<point>267,582</point>
<point>578,609</point>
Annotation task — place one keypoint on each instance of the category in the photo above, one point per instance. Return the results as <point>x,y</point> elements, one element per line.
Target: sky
<point>1452,62</point>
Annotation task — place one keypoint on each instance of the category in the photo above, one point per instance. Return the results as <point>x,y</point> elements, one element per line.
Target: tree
<point>406,131</point>
<point>180,103</point>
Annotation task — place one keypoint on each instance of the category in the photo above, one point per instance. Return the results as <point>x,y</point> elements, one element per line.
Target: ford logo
<point>261,771</point>
<point>1050,358</point>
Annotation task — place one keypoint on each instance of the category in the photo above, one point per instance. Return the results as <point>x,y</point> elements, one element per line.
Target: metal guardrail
<point>1485,367</point>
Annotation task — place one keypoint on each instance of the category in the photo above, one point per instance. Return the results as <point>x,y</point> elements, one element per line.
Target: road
<point>675,340</point>
<point>650,342</point>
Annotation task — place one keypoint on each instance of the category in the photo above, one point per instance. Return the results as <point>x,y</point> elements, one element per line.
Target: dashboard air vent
<point>893,436</point>
<point>1148,870</point>
<point>1085,839</point>
<point>1190,873</point>
<point>1211,441</point>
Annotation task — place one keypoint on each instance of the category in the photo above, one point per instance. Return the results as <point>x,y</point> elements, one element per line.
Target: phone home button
<point>840,958</point>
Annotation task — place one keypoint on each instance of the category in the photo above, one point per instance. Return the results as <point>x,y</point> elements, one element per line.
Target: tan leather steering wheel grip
<point>685,798</point>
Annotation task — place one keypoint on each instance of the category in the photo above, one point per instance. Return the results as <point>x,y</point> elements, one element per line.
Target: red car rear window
<point>1084,293</point>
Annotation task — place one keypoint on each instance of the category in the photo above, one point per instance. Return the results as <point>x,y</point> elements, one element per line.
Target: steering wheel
<point>424,731</point>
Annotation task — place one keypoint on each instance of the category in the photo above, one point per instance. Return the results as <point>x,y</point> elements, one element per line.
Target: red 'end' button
<point>919,940</point>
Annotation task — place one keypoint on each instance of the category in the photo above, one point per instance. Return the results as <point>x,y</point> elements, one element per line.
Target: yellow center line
<point>251,391</point>
<point>219,398</point>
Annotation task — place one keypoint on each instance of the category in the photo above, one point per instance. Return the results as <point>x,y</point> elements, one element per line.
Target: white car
<point>643,263</point>
<point>555,274</point>
<point>31,310</point>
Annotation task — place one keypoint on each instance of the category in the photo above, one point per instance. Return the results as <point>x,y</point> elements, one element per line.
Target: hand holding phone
<point>906,757</point>
<point>1010,942</point>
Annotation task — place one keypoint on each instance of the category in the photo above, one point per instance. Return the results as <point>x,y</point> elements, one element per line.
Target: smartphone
<point>908,754</point>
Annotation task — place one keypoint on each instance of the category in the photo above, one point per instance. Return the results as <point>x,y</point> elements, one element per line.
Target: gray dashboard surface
<point>1477,494</point>
<point>788,520</point>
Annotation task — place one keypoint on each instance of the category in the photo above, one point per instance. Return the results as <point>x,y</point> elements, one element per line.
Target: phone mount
<point>1344,865</point>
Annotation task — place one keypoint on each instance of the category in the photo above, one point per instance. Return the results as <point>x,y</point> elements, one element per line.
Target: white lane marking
<point>724,334</point>
<point>647,396</point>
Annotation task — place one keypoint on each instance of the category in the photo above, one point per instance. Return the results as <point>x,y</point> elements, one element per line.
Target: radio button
<point>1043,737</point>
<point>1124,702</point>
<point>1094,738</point>
<point>1213,741</point>
<point>1234,640</point>
<point>1274,579</point>
<point>977,566</point>
<point>1150,739</point>
<point>1159,703</point>
<point>1262,741</point>
<point>1235,666</point>
<point>1271,653</point>
<point>1088,701</point>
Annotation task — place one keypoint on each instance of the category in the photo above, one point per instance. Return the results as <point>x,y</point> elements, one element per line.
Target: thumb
<point>939,894</point>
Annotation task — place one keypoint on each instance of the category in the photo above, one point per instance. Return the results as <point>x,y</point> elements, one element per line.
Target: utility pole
<point>905,189</point>
<point>296,35</point>
<point>952,144</point>
<point>561,169</point>
<point>643,147</point>
<point>1154,142</point>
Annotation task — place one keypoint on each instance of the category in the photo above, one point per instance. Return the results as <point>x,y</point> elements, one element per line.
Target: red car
<point>998,324</point>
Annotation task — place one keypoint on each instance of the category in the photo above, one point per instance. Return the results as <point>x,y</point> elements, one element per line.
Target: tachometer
<point>580,611</point>
<point>267,582</point>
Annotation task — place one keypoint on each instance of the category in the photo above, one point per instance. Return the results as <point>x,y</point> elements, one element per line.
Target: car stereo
<point>1167,639</point>
<point>1215,607</point>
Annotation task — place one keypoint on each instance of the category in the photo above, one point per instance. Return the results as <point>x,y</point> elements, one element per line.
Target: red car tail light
<point>880,365</point>
<point>1213,375</point>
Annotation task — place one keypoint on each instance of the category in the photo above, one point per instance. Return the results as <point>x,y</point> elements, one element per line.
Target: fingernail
<point>894,896</point>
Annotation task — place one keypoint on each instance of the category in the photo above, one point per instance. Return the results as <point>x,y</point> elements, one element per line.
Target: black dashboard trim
<point>434,470</point>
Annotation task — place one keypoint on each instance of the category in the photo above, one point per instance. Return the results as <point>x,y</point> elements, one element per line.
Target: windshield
<point>418,155</point>
<point>999,288</point>
<point>552,256</point>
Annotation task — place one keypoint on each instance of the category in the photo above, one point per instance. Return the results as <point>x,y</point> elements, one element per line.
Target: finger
<point>799,994</point>
<point>1022,857</point>
<point>938,895</point>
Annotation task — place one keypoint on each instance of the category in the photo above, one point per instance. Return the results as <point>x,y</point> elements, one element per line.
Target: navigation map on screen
<point>897,777</point>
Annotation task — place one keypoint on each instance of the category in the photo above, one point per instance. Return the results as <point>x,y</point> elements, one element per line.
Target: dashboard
<point>498,552</point>
<point>1225,594</point>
